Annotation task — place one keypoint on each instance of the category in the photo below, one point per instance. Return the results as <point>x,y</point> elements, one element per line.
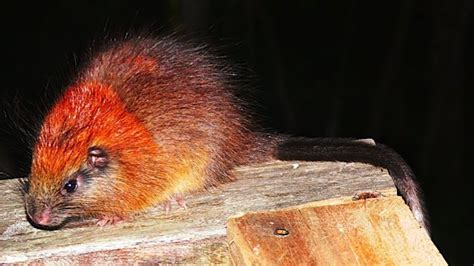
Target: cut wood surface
<point>378,231</point>
<point>195,235</point>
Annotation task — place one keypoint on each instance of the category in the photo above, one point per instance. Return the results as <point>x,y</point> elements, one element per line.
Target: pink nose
<point>42,218</point>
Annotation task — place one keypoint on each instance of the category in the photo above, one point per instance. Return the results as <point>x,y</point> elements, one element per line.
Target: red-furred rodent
<point>148,120</point>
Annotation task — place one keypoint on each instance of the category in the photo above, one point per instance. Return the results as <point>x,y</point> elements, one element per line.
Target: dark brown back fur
<point>186,99</point>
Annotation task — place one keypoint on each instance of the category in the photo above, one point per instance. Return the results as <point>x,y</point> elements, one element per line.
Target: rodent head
<point>50,205</point>
<point>88,149</point>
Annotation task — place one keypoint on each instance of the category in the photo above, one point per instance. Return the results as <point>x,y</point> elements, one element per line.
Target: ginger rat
<point>148,120</point>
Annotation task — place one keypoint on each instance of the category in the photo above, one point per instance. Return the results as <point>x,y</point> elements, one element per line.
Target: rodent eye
<point>71,186</point>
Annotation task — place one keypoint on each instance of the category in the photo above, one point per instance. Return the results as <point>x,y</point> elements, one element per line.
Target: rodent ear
<point>97,157</point>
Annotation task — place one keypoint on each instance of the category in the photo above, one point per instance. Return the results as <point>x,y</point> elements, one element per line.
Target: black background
<point>395,71</point>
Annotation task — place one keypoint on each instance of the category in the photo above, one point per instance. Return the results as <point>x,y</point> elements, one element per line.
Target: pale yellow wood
<point>378,231</point>
<point>197,234</point>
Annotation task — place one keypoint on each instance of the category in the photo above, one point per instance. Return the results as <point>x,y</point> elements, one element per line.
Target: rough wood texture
<point>365,232</point>
<point>197,234</point>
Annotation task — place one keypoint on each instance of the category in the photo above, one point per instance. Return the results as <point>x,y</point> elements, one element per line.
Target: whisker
<point>24,185</point>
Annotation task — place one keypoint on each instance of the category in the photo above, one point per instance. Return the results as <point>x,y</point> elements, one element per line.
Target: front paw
<point>109,220</point>
<point>179,200</point>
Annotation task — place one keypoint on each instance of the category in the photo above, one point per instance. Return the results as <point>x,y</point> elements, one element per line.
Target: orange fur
<point>150,119</point>
<point>165,114</point>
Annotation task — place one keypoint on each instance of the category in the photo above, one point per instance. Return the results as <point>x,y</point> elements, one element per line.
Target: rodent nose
<point>42,218</point>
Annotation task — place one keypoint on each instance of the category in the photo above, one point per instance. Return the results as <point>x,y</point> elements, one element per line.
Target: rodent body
<point>164,117</point>
<point>146,120</point>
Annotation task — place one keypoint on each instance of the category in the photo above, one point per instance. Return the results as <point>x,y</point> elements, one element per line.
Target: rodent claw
<point>179,200</point>
<point>167,207</point>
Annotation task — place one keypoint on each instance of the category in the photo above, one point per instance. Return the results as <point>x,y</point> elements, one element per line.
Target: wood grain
<point>197,234</point>
<point>378,231</point>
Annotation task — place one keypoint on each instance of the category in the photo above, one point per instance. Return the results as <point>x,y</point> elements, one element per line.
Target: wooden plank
<point>197,234</point>
<point>378,231</point>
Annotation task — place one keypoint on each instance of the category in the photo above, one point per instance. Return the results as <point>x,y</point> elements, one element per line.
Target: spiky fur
<point>167,116</point>
<point>165,113</point>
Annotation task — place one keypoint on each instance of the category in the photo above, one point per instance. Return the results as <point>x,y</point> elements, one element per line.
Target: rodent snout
<point>42,217</point>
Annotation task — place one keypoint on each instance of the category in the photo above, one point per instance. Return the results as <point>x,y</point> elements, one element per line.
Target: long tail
<point>365,151</point>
